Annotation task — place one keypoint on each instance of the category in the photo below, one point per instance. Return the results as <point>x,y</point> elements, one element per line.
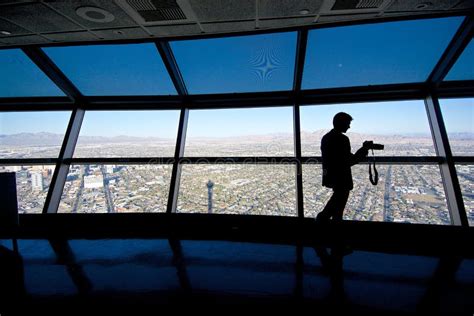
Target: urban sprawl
<point>411,193</point>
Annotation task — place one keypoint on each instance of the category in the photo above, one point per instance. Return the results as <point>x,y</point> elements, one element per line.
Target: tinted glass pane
<point>116,189</point>
<point>240,132</point>
<point>132,69</point>
<point>238,189</point>
<point>32,134</point>
<point>458,116</point>
<point>128,134</point>
<point>237,64</point>
<point>21,77</point>
<point>382,53</point>
<point>466,180</point>
<point>32,185</point>
<point>463,69</point>
<point>410,194</point>
<point>401,126</point>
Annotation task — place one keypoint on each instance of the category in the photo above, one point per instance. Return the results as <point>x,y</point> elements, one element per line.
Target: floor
<point>142,272</point>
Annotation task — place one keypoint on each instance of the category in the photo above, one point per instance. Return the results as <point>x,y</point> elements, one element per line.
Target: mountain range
<point>52,139</point>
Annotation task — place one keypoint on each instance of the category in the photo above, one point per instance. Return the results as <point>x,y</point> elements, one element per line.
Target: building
<point>36,181</point>
<point>93,182</point>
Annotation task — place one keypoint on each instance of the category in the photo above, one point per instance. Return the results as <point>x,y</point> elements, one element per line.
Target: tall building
<point>210,186</point>
<point>37,181</point>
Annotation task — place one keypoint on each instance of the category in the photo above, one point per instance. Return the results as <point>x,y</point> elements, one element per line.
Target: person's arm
<point>359,155</point>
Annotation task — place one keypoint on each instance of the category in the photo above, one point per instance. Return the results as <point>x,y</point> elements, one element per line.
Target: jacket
<point>338,160</point>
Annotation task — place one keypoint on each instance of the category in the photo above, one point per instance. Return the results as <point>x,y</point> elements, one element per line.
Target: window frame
<point>429,91</point>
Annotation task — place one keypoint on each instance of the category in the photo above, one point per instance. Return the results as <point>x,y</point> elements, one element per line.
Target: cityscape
<point>405,192</point>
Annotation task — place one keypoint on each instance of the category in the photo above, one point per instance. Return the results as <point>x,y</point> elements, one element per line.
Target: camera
<point>371,145</point>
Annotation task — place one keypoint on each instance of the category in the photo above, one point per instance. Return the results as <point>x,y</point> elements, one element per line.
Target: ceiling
<point>48,22</point>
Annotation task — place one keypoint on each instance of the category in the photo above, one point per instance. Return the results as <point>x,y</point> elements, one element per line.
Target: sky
<point>390,53</point>
<point>407,117</point>
<point>383,53</point>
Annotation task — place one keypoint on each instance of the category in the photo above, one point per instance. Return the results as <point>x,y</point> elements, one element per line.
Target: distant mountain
<point>469,136</point>
<point>51,139</point>
<point>32,139</point>
<point>121,139</point>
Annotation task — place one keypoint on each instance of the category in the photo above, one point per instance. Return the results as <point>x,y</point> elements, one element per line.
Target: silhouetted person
<point>337,163</point>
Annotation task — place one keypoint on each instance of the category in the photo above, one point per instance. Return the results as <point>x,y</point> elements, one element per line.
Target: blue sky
<point>382,53</point>
<point>237,64</point>
<point>369,118</point>
<point>350,55</point>
<point>132,69</point>
<point>463,69</point>
<point>131,123</point>
<point>21,78</point>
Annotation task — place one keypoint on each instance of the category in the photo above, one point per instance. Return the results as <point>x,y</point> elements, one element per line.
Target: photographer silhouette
<point>337,162</point>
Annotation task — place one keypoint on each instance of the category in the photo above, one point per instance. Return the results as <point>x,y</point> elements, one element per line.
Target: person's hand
<point>367,144</point>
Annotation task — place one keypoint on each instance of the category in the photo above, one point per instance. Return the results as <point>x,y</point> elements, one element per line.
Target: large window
<point>401,126</point>
<point>238,152</point>
<point>238,189</point>
<point>463,69</point>
<point>32,185</point>
<point>371,54</point>
<point>100,188</point>
<point>405,193</point>
<point>128,134</point>
<point>458,116</point>
<point>466,181</point>
<point>32,134</point>
<point>237,64</point>
<point>133,69</point>
<point>240,132</point>
<point>21,77</point>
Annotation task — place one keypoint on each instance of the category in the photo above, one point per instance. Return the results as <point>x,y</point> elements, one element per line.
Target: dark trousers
<point>335,206</point>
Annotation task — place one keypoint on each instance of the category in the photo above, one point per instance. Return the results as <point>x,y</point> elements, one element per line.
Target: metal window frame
<point>447,167</point>
<point>429,91</point>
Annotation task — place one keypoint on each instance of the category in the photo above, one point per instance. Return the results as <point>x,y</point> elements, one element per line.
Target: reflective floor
<point>143,272</point>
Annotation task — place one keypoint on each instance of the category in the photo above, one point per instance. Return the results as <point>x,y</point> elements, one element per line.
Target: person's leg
<point>327,212</point>
<point>340,198</point>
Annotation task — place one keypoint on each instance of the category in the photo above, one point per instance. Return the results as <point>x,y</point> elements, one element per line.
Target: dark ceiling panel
<point>71,36</point>
<point>37,18</point>
<point>121,33</point>
<point>272,23</point>
<point>219,27</point>
<point>22,18</point>
<point>223,10</point>
<point>417,5</point>
<point>2,3</point>
<point>68,8</point>
<point>281,8</point>
<point>346,17</point>
<point>24,40</point>
<point>174,30</point>
<point>12,28</point>
<point>465,4</point>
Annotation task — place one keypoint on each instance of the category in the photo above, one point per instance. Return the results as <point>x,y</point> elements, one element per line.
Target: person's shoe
<point>321,220</point>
